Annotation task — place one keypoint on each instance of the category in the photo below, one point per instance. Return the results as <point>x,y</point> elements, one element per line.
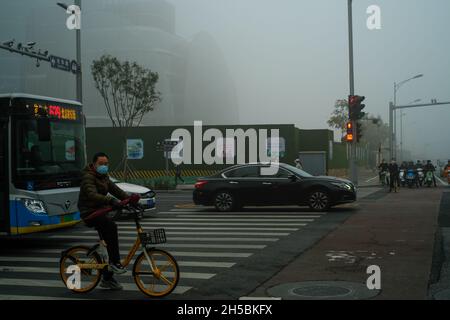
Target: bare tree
<point>339,116</point>
<point>128,90</point>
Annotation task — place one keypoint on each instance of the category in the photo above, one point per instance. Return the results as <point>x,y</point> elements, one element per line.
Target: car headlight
<point>342,185</point>
<point>149,194</point>
<point>35,206</point>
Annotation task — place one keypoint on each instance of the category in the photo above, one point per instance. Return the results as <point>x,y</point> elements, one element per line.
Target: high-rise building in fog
<point>194,79</point>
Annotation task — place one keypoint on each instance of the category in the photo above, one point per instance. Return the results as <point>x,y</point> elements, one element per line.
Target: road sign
<point>63,64</point>
<point>166,145</point>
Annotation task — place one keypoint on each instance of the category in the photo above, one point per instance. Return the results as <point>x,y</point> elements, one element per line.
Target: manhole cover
<point>322,290</point>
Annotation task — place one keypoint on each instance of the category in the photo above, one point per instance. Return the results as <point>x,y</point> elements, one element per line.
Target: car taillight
<point>200,184</point>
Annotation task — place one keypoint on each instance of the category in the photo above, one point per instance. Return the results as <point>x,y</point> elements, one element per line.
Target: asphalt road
<point>221,256</point>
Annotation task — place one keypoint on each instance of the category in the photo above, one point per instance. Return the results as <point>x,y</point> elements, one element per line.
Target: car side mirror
<point>292,177</point>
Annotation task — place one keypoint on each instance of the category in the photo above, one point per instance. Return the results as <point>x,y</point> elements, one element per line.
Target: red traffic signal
<point>355,107</point>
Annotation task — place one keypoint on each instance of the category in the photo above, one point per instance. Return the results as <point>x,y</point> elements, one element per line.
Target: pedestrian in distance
<point>178,174</point>
<point>394,172</point>
<point>298,164</point>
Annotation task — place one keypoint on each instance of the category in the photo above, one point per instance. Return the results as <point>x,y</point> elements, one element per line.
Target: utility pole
<point>79,74</point>
<point>353,169</point>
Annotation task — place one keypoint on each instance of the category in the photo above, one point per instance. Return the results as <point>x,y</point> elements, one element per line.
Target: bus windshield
<point>63,154</point>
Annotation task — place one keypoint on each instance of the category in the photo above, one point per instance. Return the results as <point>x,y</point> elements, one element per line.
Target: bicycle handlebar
<point>132,202</point>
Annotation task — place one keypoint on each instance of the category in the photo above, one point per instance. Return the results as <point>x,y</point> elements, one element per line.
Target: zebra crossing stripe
<point>18,297</point>
<point>244,216</point>
<point>199,211</point>
<point>222,223</point>
<point>214,228</point>
<point>173,238</point>
<point>304,219</point>
<point>20,269</point>
<point>209,264</point>
<point>174,253</point>
<point>59,284</point>
<point>204,233</point>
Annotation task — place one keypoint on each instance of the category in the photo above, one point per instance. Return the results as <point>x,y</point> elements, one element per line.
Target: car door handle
<point>267,183</point>
<point>233,182</point>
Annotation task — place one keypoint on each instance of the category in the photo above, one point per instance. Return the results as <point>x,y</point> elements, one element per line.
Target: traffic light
<point>359,131</point>
<point>355,107</point>
<point>350,135</point>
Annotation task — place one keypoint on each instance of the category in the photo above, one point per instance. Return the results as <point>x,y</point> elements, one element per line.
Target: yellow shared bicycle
<point>155,271</point>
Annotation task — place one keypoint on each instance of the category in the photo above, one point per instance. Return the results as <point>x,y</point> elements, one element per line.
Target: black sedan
<point>249,185</point>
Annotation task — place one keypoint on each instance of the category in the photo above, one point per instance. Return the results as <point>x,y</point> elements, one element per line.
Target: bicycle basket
<point>153,237</point>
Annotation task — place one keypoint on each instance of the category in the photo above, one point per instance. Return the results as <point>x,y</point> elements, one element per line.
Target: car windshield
<point>297,171</point>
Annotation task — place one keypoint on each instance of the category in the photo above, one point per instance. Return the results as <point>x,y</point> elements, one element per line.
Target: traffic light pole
<point>352,163</point>
<point>392,109</point>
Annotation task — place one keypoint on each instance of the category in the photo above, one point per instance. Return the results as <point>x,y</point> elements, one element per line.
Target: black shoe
<point>117,268</point>
<point>111,284</point>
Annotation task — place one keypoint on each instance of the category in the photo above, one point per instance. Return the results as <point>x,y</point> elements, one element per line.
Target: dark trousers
<point>395,181</point>
<point>178,176</point>
<point>107,230</point>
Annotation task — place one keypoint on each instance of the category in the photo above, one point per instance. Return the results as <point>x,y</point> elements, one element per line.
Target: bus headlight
<point>35,206</point>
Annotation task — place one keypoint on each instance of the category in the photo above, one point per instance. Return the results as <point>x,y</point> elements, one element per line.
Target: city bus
<point>42,150</point>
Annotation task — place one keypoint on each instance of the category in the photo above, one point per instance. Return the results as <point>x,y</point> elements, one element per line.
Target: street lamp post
<point>79,85</point>
<point>401,128</point>
<point>396,87</point>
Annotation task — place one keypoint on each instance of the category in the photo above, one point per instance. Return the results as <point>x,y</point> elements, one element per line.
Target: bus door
<point>4,180</point>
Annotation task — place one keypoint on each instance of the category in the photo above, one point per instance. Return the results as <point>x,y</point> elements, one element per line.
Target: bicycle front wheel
<point>164,277</point>
<point>80,280</point>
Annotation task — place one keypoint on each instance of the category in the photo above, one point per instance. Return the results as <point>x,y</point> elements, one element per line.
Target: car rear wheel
<point>224,201</point>
<point>319,200</point>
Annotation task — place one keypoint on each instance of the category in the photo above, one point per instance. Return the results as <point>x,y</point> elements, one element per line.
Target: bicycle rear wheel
<point>88,278</point>
<point>165,277</point>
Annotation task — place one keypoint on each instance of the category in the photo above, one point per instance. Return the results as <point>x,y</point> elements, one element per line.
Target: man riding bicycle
<point>95,186</point>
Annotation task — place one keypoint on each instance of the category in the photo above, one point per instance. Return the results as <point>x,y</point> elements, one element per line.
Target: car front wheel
<point>224,201</point>
<point>319,200</point>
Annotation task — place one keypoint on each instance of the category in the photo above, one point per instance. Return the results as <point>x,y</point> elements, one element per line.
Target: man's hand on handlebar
<point>116,204</point>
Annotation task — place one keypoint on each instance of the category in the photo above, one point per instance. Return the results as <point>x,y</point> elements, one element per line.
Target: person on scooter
<point>430,167</point>
<point>420,167</point>
<point>403,167</point>
<point>411,166</point>
<point>447,166</point>
<point>394,174</point>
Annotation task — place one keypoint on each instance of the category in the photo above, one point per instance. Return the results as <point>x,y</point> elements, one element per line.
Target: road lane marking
<point>59,284</point>
<point>372,178</point>
<point>246,216</point>
<point>20,269</point>
<point>441,181</point>
<point>174,238</point>
<point>174,253</point>
<point>305,219</point>
<point>293,213</point>
<point>18,297</point>
<point>209,264</point>
<point>187,233</point>
<point>215,228</point>
<point>221,223</point>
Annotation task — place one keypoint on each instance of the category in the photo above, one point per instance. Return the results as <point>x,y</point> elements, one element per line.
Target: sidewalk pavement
<point>395,232</point>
